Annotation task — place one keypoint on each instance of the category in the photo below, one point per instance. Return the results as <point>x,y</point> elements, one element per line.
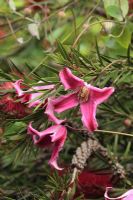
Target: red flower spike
<point>9,104</point>
<point>92,184</point>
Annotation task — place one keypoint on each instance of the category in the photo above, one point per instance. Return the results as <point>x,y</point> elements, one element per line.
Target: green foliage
<point>116,8</point>
<point>94,39</point>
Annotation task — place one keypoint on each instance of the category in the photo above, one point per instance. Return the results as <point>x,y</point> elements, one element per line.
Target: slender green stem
<point>114,132</point>
<point>100,130</point>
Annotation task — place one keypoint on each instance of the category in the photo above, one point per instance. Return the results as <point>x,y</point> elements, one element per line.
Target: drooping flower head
<point>36,5</point>
<point>53,136</point>
<point>83,94</point>
<point>126,196</point>
<point>32,95</point>
<point>130,4</point>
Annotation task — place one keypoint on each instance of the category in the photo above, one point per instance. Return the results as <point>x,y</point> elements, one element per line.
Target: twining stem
<point>112,63</point>
<point>92,24</point>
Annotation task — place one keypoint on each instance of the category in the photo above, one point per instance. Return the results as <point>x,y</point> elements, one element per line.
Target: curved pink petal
<point>17,87</point>
<point>45,87</point>
<point>50,112</point>
<point>59,137</point>
<point>126,196</point>
<point>129,195</point>
<point>88,110</point>
<point>69,80</point>
<point>34,133</point>
<point>59,133</point>
<point>65,102</point>
<point>31,130</point>
<point>33,96</point>
<point>100,95</point>
<point>30,96</point>
<point>33,102</point>
<point>24,97</point>
<point>41,134</point>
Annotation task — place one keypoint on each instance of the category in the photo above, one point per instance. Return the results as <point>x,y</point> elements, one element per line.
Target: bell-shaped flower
<point>126,196</point>
<point>83,94</point>
<point>32,95</point>
<point>54,137</point>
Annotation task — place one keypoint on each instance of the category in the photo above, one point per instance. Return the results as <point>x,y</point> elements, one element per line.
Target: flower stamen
<point>83,94</point>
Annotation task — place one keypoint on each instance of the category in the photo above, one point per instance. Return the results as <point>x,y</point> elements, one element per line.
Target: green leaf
<point>124,7</point>
<point>98,53</point>
<point>12,5</point>
<point>125,39</point>
<point>127,150</point>
<point>116,8</point>
<point>14,128</point>
<point>6,76</point>
<point>114,11</point>
<point>62,51</point>
<point>52,69</point>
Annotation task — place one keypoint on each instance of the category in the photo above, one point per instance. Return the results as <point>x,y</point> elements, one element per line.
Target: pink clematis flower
<point>85,95</point>
<point>54,136</point>
<point>29,97</point>
<point>126,196</point>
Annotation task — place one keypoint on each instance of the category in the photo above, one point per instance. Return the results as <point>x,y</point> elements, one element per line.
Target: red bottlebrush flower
<point>32,6</point>
<point>6,85</point>
<point>92,184</point>
<point>9,104</point>
<point>2,33</point>
<point>130,4</point>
